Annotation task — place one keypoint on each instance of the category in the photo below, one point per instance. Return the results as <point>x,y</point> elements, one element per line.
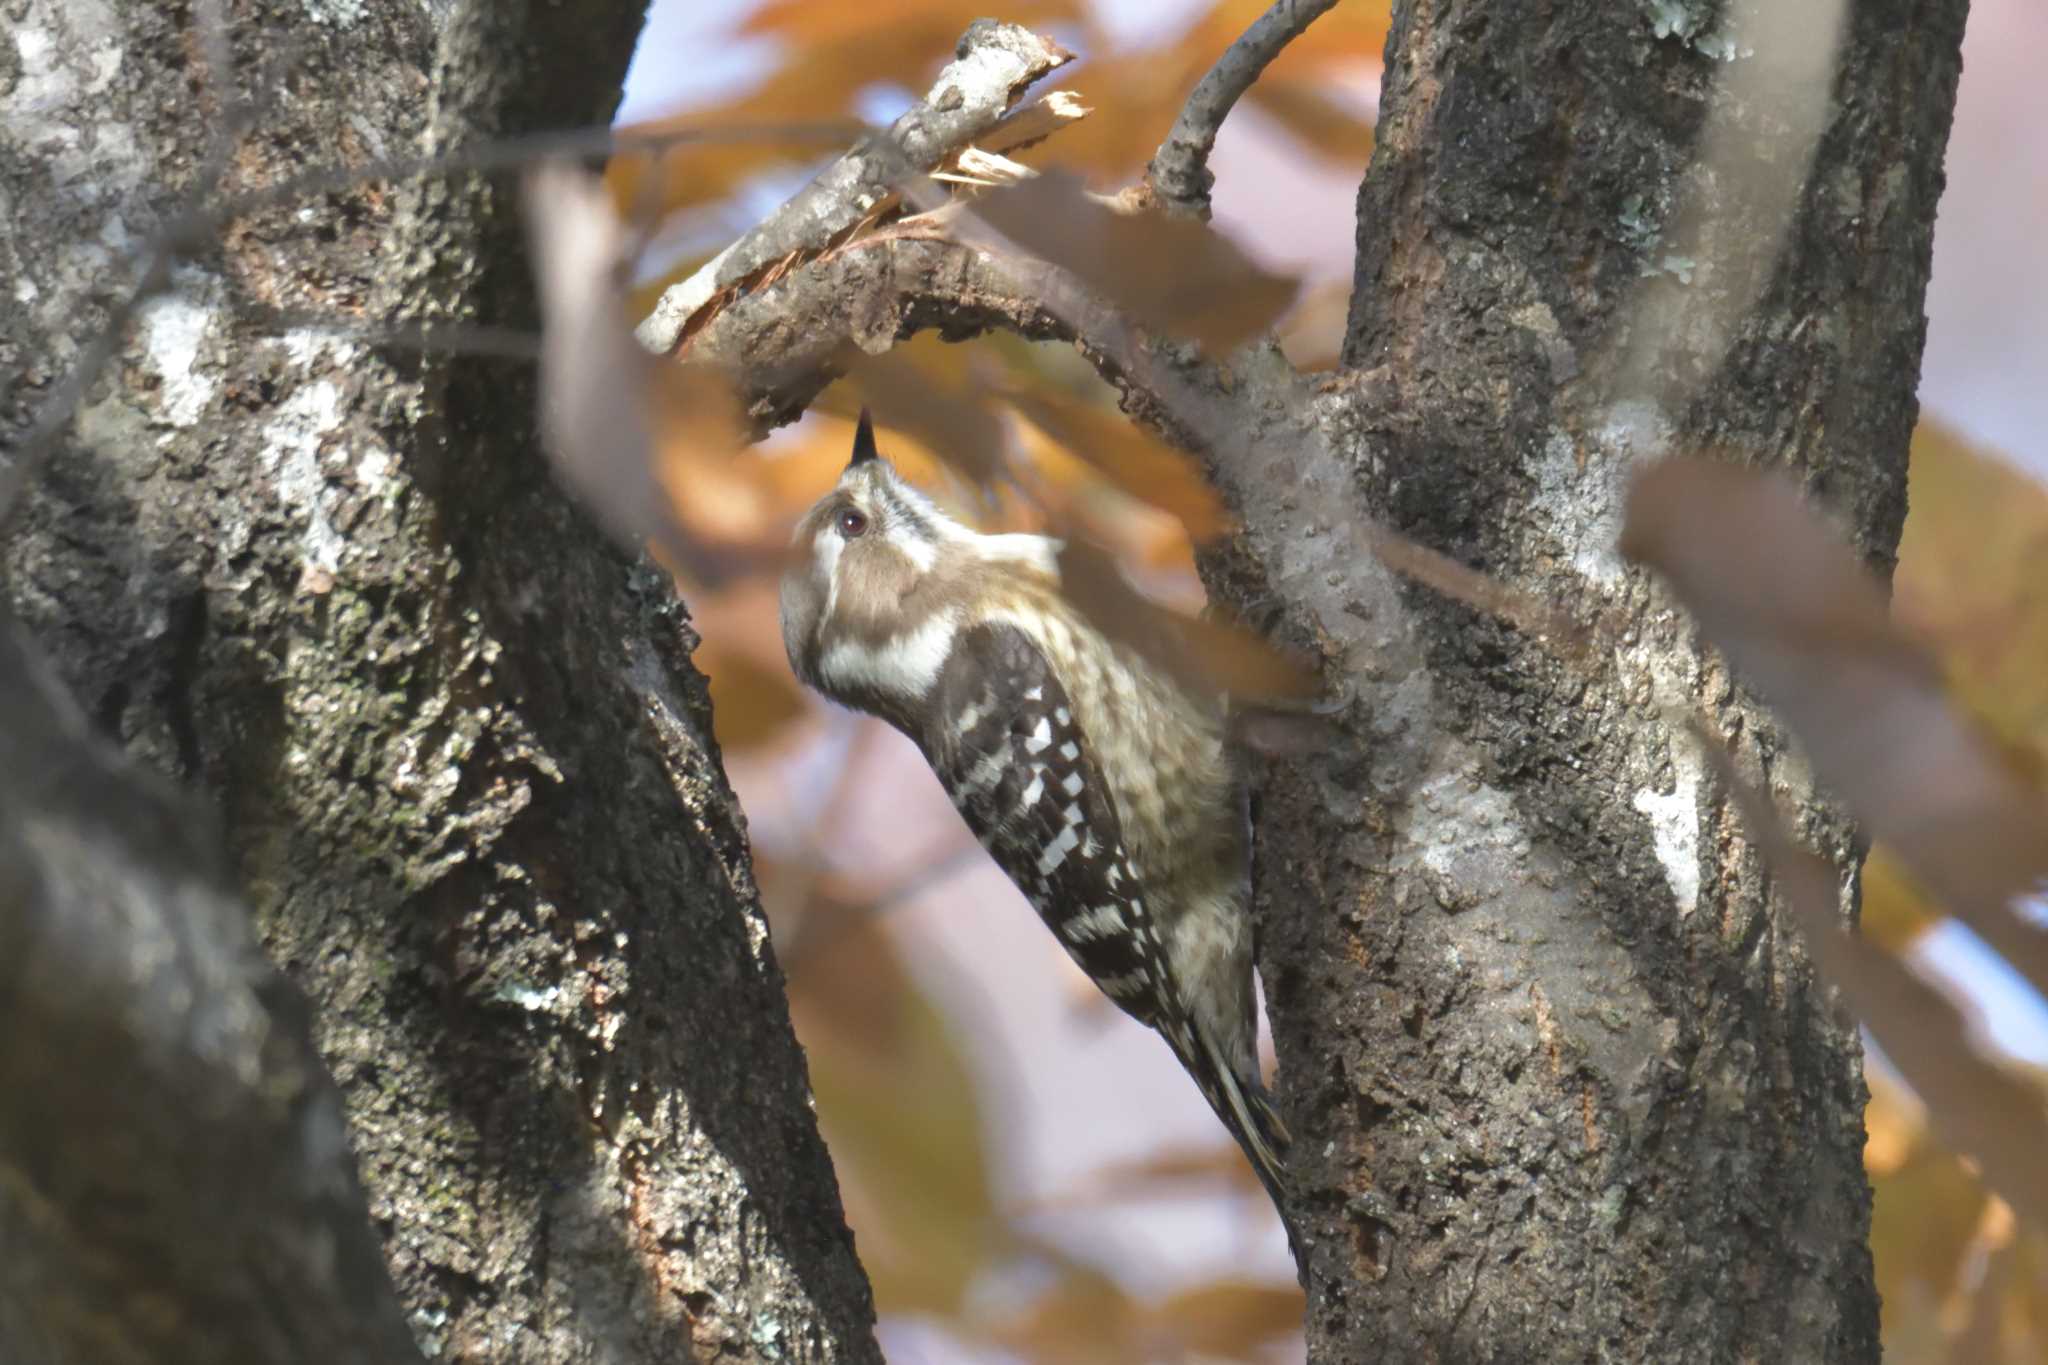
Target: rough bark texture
<point>162,1079</point>
<point>1563,1088</point>
<point>1571,1091</point>
<point>462,761</point>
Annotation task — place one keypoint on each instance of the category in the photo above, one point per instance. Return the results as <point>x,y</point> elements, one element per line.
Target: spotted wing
<point>1003,738</point>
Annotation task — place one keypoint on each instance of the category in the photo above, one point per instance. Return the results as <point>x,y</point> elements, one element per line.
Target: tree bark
<point>463,763</point>
<point>162,1083</point>
<point>1564,1087</point>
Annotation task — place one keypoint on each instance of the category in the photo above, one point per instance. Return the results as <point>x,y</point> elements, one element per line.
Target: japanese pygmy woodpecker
<point>1098,782</point>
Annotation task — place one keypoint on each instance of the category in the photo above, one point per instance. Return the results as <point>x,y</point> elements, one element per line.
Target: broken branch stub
<point>992,67</point>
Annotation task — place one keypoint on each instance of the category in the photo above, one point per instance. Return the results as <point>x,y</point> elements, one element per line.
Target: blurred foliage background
<point>1003,1136</point>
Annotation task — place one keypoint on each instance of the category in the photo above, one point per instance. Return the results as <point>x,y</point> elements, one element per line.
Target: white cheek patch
<point>903,666</point>
<point>825,566</point>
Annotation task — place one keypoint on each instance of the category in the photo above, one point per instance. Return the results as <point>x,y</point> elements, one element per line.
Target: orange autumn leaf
<point>1973,580</point>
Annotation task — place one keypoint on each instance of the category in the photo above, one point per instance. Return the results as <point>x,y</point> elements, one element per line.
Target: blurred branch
<point>175,1178</point>
<point>1977,1106</point>
<point>1801,618</point>
<point>993,65</point>
<point>1179,174</point>
<point>1989,1270</point>
<point>217,52</point>
<point>1167,1173</point>
<point>830,912</point>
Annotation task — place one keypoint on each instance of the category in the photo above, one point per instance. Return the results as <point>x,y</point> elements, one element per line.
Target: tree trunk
<point>1561,1088</point>
<point>462,759</point>
<point>1564,1088</point>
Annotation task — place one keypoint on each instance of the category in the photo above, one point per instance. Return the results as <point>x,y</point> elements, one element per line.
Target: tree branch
<point>1179,174</point>
<point>992,67</point>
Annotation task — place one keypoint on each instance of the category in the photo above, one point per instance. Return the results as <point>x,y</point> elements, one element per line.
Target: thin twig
<point>198,222</point>
<point>509,152</point>
<point>829,914</point>
<point>1179,174</point>
<point>468,338</point>
<point>832,916</point>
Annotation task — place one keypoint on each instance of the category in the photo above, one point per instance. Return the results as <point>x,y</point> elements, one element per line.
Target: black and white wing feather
<point>1002,737</point>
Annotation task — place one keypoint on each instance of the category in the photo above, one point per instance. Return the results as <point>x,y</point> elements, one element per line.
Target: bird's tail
<point>1247,1111</point>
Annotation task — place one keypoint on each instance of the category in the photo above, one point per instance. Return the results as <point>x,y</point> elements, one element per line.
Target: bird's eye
<point>852,522</point>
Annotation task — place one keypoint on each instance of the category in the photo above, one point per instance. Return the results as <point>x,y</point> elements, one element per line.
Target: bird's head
<point>881,578</point>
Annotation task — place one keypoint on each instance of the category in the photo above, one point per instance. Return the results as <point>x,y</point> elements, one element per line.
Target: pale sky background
<point>1067,1091</point>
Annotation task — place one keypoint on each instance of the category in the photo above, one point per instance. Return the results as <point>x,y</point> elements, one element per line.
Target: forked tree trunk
<point>463,762</point>
<point>1563,1089</point>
